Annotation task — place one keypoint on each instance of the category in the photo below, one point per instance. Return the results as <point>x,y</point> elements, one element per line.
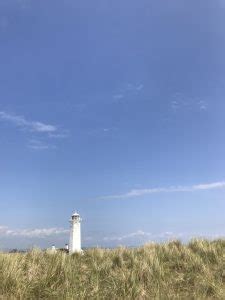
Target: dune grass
<point>161,271</point>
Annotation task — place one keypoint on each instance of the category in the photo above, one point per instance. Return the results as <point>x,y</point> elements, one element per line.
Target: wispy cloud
<point>59,135</point>
<point>180,102</point>
<point>118,96</point>
<point>103,132</point>
<point>32,233</point>
<point>128,90</point>
<point>34,126</point>
<point>39,145</point>
<point>37,128</point>
<point>134,87</point>
<point>202,105</point>
<point>136,234</point>
<point>142,237</point>
<point>172,189</point>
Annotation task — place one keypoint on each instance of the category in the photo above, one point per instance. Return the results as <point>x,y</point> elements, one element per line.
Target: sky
<point>114,109</point>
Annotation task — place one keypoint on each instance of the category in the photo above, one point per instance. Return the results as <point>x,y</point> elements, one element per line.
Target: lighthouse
<point>75,235</point>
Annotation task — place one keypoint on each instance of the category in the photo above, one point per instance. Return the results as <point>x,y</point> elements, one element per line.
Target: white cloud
<point>209,186</point>
<point>39,145</point>
<point>202,105</point>
<point>37,129</point>
<point>128,90</point>
<point>110,129</point>
<point>60,135</point>
<point>134,87</point>
<point>174,105</point>
<point>118,96</point>
<point>136,234</point>
<point>171,189</point>
<point>20,121</point>
<point>182,102</point>
<point>101,132</point>
<point>139,87</point>
<point>41,127</point>
<point>141,237</point>
<point>32,233</point>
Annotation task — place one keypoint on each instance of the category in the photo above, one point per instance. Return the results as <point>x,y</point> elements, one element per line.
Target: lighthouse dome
<point>75,214</point>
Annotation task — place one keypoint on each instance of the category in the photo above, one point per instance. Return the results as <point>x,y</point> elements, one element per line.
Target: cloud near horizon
<point>136,234</point>
<point>55,235</point>
<point>32,233</point>
<point>171,189</point>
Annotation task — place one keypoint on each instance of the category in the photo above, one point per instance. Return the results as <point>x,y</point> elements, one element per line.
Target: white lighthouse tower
<point>75,235</point>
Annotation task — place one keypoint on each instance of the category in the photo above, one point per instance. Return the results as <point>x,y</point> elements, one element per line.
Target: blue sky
<point>114,109</point>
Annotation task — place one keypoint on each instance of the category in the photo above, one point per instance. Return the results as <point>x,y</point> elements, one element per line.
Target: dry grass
<point>167,271</point>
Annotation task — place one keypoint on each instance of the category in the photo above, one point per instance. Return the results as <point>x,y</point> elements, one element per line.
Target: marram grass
<point>154,271</point>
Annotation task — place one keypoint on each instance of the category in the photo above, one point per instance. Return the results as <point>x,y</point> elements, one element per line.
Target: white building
<point>75,234</point>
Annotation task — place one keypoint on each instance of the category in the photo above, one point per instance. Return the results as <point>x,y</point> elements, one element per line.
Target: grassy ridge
<point>171,270</point>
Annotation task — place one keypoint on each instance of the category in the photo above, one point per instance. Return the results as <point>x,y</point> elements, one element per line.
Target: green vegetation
<point>162,271</point>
